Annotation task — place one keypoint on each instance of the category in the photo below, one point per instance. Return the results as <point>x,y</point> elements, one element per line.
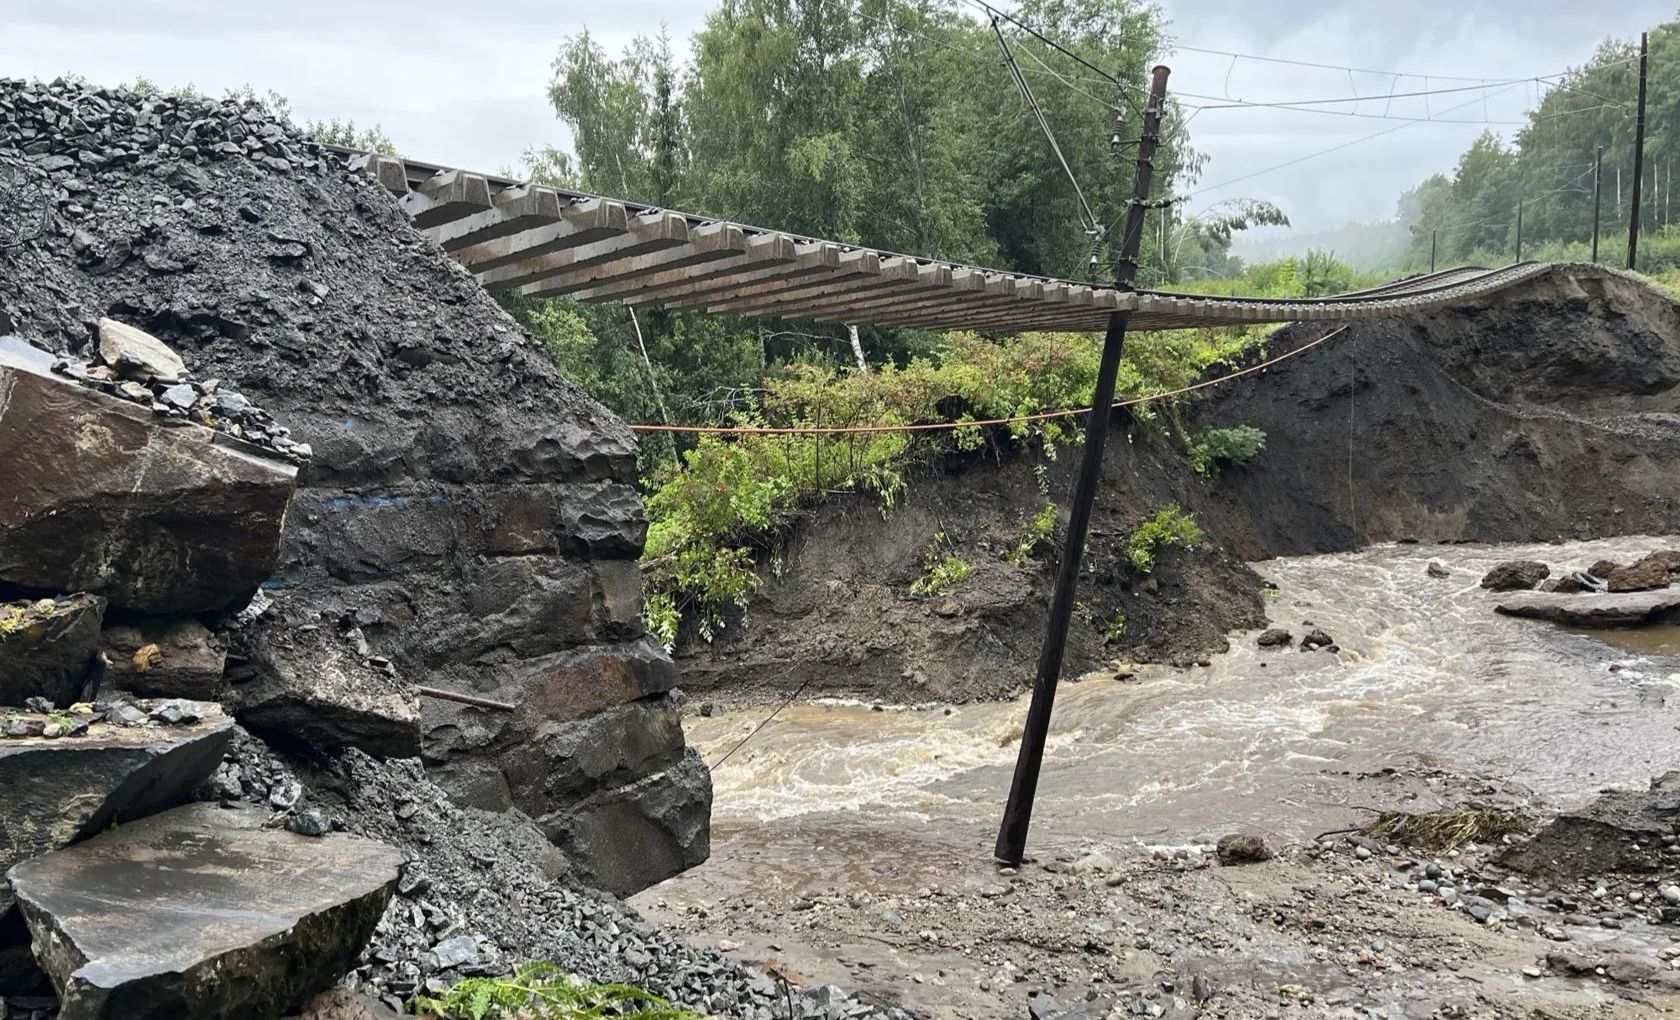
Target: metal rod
<point>1017,815</point>
<point>1638,158</point>
<point>1598,197</point>
<point>465,699</point>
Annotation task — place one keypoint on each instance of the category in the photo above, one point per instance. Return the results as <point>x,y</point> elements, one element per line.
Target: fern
<point>542,991</point>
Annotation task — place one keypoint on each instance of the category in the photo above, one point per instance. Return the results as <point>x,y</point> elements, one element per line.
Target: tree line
<point>1546,170</point>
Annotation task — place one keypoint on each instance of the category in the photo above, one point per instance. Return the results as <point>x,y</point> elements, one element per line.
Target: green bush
<point>541,991</point>
<point>1217,447</point>
<point>1116,628</point>
<point>941,569</point>
<point>1169,527</point>
<point>1037,532</point>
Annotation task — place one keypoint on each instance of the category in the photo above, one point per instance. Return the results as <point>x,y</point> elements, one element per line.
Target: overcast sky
<point>462,84</point>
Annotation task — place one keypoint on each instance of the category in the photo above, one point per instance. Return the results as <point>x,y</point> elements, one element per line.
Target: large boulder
<point>312,686</point>
<point>166,658</point>
<point>47,648</point>
<point>624,839</point>
<point>101,496</point>
<point>56,791</point>
<point>1647,574</point>
<point>1627,609</point>
<point>1516,575</point>
<point>202,912</point>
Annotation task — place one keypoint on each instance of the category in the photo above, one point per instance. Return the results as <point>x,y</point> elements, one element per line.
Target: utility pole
<point>1519,229</point>
<point>1638,157</point>
<point>1598,197</point>
<point>1432,234</point>
<point>1017,815</point>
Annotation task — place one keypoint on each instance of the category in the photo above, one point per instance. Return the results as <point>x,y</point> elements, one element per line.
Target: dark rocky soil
<point>469,519</point>
<point>483,891</point>
<point>840,610</point>
<point>1549,412</point>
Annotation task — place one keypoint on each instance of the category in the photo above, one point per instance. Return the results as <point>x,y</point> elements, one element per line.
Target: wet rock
<point>1316,638</point>
<point>1669,559</point>
<point>1243,848</point>
<point>48,647</point>
<point>1646,575</point>
<point>339,1004</point>
<point>310,687</point>
<point>1437,569</point>
<point>1626,609</point>
<point>1621,831</point>
<point>626,838</point>
<point>56,792</point>
<point>202,911</point>
<point>1568,584</point>
<point>1516,575</point>
<point>1604,568</point>
<point>1275,637</point>
<point>135,354</point>
<point>171,658</point>
<point>102,499</point>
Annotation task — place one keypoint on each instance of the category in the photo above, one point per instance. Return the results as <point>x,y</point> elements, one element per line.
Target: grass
<point>1441,831</point>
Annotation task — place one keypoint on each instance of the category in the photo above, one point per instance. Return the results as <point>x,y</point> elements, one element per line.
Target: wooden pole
<point>1598,197</point>
<point>1638,157</point>
<point>1432,234</point>
<point>1017,815</point>
<point>1519,229</point>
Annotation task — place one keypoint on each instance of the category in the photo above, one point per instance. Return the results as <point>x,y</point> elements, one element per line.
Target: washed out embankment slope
<point>1547,411</point>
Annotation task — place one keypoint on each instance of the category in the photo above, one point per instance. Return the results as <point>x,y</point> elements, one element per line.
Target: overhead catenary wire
<point>1092,224</point>
<point>951,426</point>
<point>1325,152</point>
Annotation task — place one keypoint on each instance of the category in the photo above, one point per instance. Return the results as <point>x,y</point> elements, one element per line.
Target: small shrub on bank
<point>1215,448</point>
<point>1038,532</point>
<point>941,569</point>
<point>1169,527</point>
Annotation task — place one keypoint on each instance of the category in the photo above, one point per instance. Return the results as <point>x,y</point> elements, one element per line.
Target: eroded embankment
<point>1542,413</point>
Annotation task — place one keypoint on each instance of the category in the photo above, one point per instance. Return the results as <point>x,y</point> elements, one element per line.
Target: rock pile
<point>137,367</point>
<point>480,892</point>
<point>128,904</point>
<point>467,521</point>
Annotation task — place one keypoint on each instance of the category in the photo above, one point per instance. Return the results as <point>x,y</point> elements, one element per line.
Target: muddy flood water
<point>1433,696</point>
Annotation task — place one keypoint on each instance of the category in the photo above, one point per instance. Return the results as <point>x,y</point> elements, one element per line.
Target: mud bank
<point>1545,413</point>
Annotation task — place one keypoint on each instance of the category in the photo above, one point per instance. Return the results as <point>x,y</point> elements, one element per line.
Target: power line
<point>1091,222</point>
<point>1334,148</point>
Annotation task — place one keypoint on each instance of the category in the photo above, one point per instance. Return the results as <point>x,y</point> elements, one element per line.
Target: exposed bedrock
<point>468,520</point>
<point>202,912</point>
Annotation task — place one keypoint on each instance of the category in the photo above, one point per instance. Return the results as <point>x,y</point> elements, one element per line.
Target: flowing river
<point>1431,689</point>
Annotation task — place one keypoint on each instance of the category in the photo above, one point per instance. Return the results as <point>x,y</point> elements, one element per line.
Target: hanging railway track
<point>547,242</point>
